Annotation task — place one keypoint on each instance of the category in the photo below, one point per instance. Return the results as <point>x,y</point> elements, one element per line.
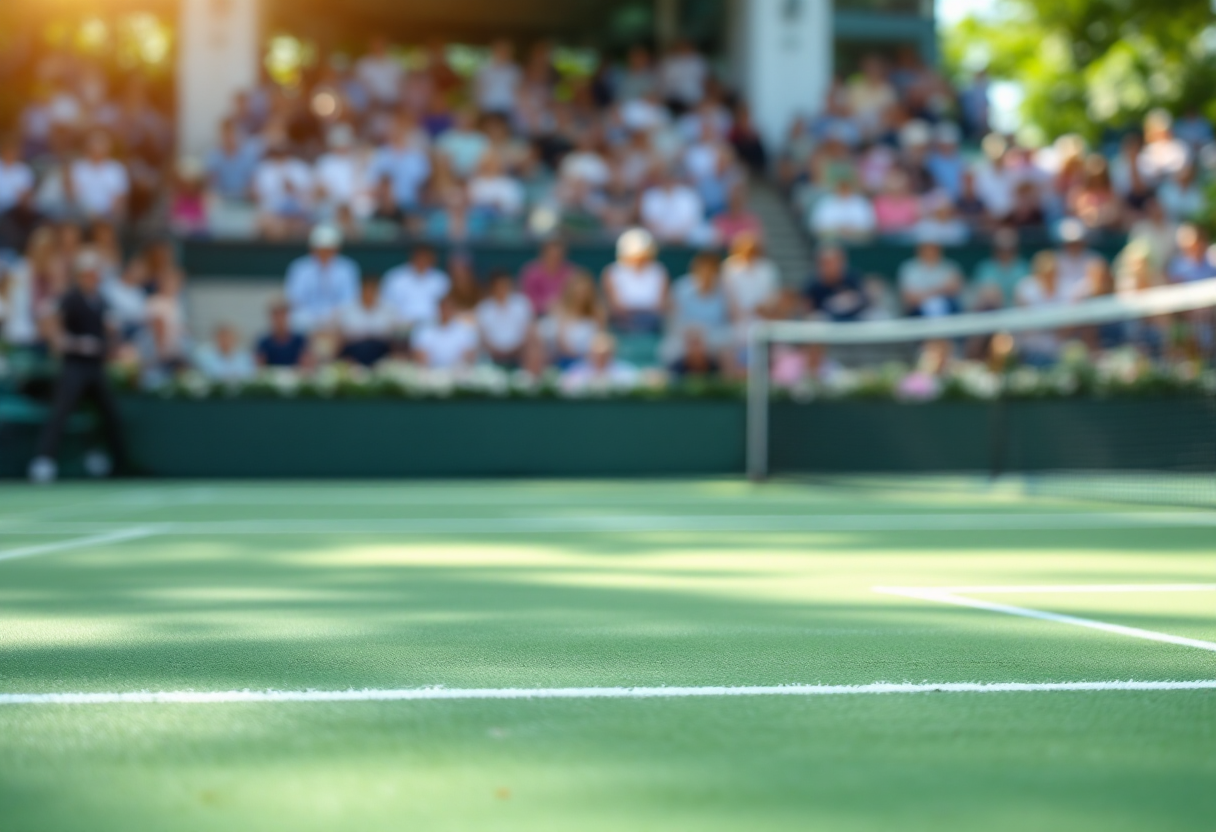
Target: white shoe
<point>97,464</point>
<point>43,470</point>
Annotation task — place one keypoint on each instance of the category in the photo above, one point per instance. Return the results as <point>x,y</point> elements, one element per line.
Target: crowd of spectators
<point>896,154</point>
<point>513,149</point>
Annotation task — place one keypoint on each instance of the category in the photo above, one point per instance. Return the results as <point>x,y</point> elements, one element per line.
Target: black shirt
<point>83,320</point>
<point>843,300</point>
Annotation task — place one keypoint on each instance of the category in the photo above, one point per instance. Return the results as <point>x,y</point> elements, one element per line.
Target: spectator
<point>672,211</point>
<point>464,144</point>
<point>380,74</point>
<point>504,318</point>
<point>637,79</point>
<point>495,193</point>
<point>464,287</point>
<point>16,177</point>
<point>750,280</point>
<point>1154,232</point>
<point>1194,260</point>
<point>544,279</point>
<point>600,371</point>
<point>322,283</point>
<point>577,318</point>
<point>366,326</point>
<point>699,303</point>
<point>282,346</point>
<point>32,288</point>
<point>736,219</point>
<point>167,325</point>
<point>683,74</point>
<point>446,343</point>
<point>127,299</point>
<point>940,222</point>
<point>945,164</point>
<point>696,359</point>
<point>1183,197</point>
<point>834,292</point>
<point>414,289</point>
<point>1163,155</point>
<point>404,164</point>
<point>1073,262</point>
<point>1095,202</point>
<point>843,214</point>
<point>930,284</point>
<point>282,190</point>
<point>636,285</point>
<point>498,81</point>
<point>1041,288</point>
<point>746,140</point>
<point>223,359</point>
<point>231,167</point>
<point>97,184</point>
<point>339,176</point>
<point>998,276</point>
<point>896,209</point>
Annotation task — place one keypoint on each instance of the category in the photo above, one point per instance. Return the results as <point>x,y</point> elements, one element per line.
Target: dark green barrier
<point>554,438</point>
<point>270,260</point>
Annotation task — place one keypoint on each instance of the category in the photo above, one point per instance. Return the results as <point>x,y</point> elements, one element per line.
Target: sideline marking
<point>417,694</point>
<point>950,595</point>
<point>662,523</point>
<point>76,543</point>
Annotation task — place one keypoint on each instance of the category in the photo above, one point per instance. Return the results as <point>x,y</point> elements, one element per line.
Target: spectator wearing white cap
<point>1074,261</point>
<point>636,284</point>
<point>322,282</point>
<point>98,184</point>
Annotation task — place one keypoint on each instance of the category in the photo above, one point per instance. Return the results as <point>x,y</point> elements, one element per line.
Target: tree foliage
<point>1088,65</point>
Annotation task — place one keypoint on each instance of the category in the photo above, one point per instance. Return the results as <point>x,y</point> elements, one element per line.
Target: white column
<point>783,52</point>
<point>218,51</point>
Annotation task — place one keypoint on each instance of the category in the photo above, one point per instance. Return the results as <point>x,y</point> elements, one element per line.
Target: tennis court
<point>846,655</point>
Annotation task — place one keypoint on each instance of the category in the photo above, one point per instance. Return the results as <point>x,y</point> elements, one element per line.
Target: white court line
<point>439,693</point>
<point>76,543</point>
<point>662,523</point>
<point>950,596</point>
<point>1074,589</point>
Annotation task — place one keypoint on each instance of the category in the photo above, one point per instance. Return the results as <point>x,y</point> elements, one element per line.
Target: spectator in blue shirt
<point>1194,260</point>
<point>322,283</point>
<point>945,164</point>
<point>404,163</point>
<point>230,166</point>
<point>282,346</point>
<point>834,291</point>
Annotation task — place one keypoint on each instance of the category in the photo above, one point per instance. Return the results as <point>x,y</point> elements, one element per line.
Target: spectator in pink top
<point>543,279</point>
<point>736,219</point>
<point>896,209</point>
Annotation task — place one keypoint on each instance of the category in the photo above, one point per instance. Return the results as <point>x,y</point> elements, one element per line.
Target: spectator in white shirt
<point>751,281</point>
<point>447,343</point>
<point>495,193</point>
<point>464,144</point>
<point>1162,155</point>
<point>282,189</point>
<point>167,324</point>
<point>366,326</point>
<point>404,163</point>
<point>498,80</point>
<point>505,320</point>
<point>98,184</point>
<point>224,359</point>
<point>16,178</point>
<point>413,290</point>
<point>1074,261</point>
<point>322,283</point>
<point>682,77</point>
<point>844,214</point>
<point>339,175</point>
<point>600,371</point>
<point>673,212</point>
<point>930,284</point>
<point>586,163</point>
<point>636,284</point>
<point>380,74</point>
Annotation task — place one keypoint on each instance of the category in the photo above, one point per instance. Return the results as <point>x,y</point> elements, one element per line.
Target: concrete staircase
<point>786,244</point>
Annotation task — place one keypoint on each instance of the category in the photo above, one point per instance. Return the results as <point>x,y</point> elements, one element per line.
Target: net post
<point>757,402</point>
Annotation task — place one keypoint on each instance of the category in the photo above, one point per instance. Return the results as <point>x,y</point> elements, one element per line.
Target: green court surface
<point>568,656</point>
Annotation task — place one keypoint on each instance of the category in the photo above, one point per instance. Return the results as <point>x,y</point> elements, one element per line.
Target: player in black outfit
<point>82,339</point>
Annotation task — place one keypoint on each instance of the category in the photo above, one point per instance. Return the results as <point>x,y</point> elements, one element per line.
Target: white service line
<point>604,524</point>
<point>102,539</point>
<point>438,693</point>
<point>945,596</point>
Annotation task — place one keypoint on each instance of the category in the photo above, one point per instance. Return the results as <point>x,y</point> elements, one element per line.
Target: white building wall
<point>218,54</point>
<point>783,58</point>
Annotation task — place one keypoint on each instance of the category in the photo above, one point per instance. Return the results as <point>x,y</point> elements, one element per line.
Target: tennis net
<point>1108,398</point>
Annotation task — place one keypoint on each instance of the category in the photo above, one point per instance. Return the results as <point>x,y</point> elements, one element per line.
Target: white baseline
<point>116,536</point>
<point>188,697</point>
